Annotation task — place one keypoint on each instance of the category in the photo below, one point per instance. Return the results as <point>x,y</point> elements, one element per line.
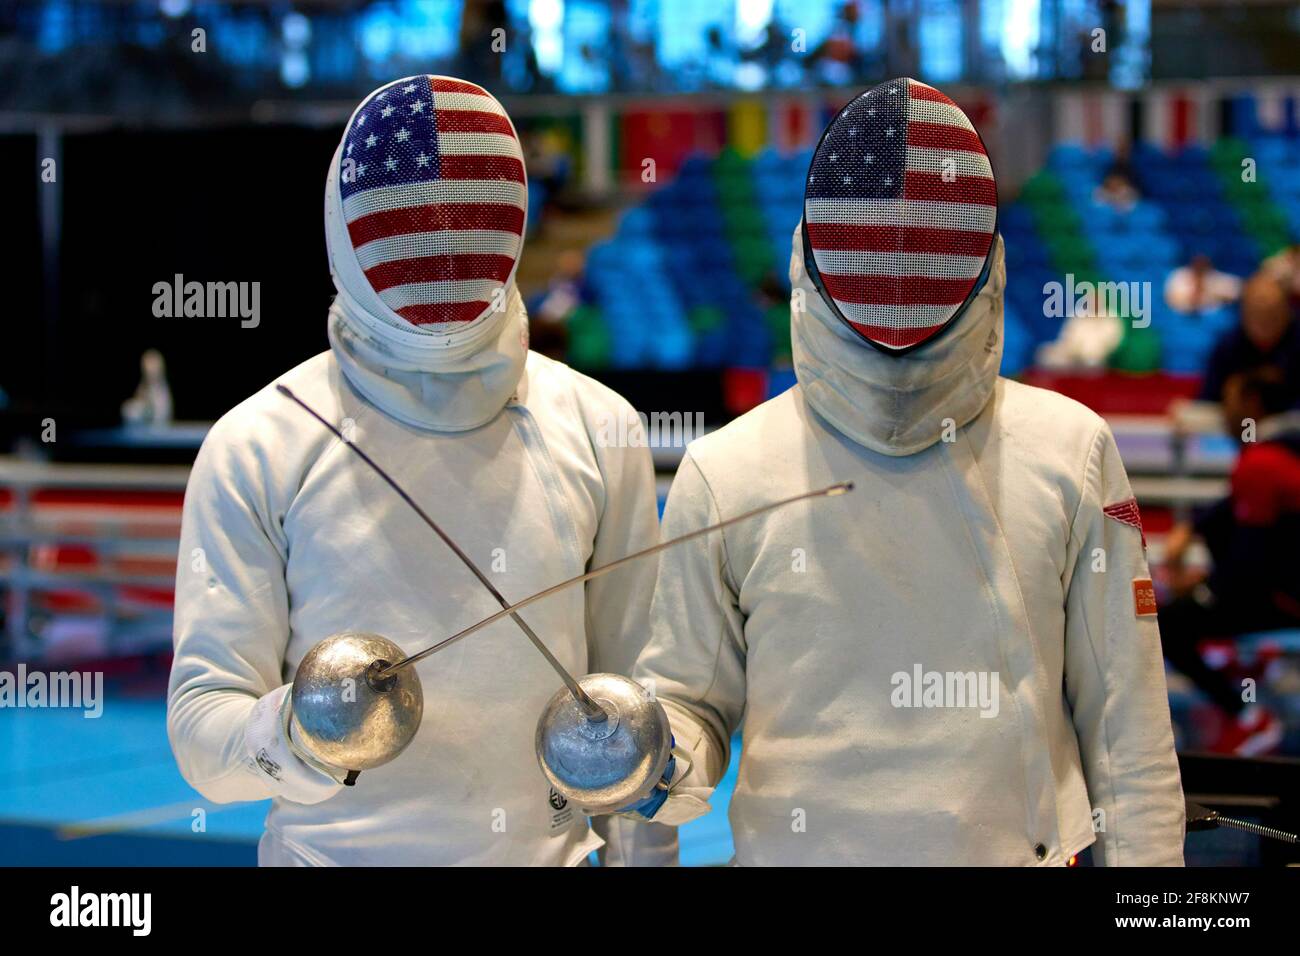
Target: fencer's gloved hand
<point>647,808</point>
<point>682,796</point>
<point>271,754</point>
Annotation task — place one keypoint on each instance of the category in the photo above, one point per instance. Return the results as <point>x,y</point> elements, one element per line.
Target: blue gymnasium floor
<point>106,792</point>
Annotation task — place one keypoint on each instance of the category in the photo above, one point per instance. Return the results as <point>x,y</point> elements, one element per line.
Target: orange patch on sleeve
<point>1144,597</point>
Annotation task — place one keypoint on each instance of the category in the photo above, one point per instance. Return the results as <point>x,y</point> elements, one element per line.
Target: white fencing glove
<point>271,755</point>
<point>686,795</point>
<point>688,799</point>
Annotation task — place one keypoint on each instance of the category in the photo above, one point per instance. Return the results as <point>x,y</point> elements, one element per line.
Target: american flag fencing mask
<point>900,210</point>
<point>432,191</point>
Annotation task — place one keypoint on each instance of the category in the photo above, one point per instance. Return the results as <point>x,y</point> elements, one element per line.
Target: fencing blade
<point>829,491</point>
<point>592,709</point>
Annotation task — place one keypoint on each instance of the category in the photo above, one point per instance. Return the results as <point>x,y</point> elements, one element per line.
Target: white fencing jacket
<point>288,538</point>
<point>975,547</point>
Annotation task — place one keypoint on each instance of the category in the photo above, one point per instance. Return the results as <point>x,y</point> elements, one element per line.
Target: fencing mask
<point>433,192</point>
<point>900,209</point>
<point>425,204</point>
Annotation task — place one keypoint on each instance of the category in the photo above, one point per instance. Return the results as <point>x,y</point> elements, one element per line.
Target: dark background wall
<point>239,204</point>
<point>21,310</point>
<point>1245,38</point>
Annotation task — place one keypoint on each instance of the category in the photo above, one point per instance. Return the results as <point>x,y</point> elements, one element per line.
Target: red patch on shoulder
<point>1126,512</point>
<point>1144,597</point>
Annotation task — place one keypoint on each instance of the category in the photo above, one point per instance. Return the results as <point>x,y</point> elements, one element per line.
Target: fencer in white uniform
<point>959,662</point>
<point>287,538</point>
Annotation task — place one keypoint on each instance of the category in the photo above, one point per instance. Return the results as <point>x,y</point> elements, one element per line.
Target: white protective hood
<point>896,404</point>
<point>442,381</point>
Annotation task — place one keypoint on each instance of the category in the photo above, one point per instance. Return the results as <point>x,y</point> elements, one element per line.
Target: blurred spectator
<point>1284,268</point>
<point>1252,535</point>
<point>549,316</point>
<point>549,165</point>
<point>1122,162</point>
<point>719,65</point>
<point>631,52</point>
<point>1266,335</point>
<point>484,25</point>
<point>1117,191</point>
<point>1199,287</point>
<point>1114,21</point>
<point>836,57</point>
<point>152,402</point>
<point>1087,340</point>
<point>773,51</point>
<point>566,289</point>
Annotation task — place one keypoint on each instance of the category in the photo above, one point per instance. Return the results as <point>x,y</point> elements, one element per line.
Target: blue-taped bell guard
<point>444,381</point>
<point>646,808</point>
